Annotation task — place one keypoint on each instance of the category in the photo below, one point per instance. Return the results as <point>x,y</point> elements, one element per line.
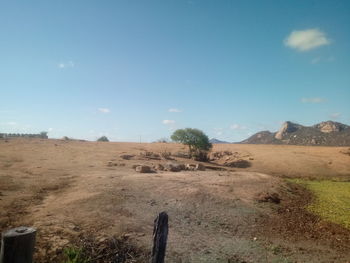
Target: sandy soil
<point>67,189</point>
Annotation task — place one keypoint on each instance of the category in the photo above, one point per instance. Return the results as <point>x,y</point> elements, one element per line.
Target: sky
<point>139,69</point>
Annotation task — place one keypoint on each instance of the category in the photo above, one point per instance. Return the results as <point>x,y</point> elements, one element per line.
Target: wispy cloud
<point>104,110</point>
<point>168,122</point>
<point>10,123</point>
<point>315,60</point>
<point>312,100</point>
<point>174,110</point>
<point>219,131</point>
<point>237,127</point>
<point>68,64</point>
<point>304,40</point>
<point>335,115</point>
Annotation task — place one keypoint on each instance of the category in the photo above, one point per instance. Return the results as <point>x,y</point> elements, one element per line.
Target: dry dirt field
<point>75,192</point>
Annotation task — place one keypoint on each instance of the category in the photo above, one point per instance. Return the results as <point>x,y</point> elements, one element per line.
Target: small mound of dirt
<point>238,163</point>
<point>269,197</point>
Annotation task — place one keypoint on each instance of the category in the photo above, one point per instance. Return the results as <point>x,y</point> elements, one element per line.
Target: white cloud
<point>238,127</point>
<point>174,110</point>
<point>312,100</point>
<point>69,64</point>
<point>50,130</point>
<point>168,122</point>
<point>335,115</point>
<point>304,40</point>
<point>104,110</point>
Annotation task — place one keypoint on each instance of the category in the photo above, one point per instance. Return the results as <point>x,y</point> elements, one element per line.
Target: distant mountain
<point>328,133</point>
<point>216,141</point>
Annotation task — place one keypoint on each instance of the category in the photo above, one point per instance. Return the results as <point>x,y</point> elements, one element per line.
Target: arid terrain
<point>73,191</point>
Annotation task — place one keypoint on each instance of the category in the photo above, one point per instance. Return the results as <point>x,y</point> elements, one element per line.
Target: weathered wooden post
<point>17,245</point>
<point>160,236</point>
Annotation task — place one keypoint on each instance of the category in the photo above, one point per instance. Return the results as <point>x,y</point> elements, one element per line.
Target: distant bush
<point>103,139</point>
<point>163,140</point>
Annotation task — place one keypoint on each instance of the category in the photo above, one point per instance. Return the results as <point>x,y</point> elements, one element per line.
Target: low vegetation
<point>332,199</point>
<point>103,139</point>
<point>74,255</point>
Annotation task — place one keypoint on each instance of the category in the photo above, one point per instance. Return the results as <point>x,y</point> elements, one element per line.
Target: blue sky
<point>127,69</point>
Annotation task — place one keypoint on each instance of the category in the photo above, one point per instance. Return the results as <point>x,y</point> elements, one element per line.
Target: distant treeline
<point>42,135</point>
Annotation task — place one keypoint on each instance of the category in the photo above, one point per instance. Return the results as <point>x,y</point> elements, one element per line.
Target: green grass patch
<point>74,255</point>
<point>332,200</point>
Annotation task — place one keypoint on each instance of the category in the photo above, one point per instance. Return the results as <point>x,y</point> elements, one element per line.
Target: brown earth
<point>77,192</point>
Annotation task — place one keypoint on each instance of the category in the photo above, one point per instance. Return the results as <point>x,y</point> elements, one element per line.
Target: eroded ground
<point>72,189</point>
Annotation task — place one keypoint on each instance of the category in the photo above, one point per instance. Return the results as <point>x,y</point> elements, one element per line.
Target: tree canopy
<point>196,140</point>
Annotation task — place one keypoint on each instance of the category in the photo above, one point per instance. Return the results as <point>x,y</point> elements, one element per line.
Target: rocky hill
<point>216,141</point>
<point>328,133</point>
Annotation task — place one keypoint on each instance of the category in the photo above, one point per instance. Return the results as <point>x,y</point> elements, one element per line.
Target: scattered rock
<point>218,155</point>
<point>174,167</point>
<point>199,167</point>
<point>159,167</point>
<point>150,155</point>
<point>166,155</point>
<point>143,169</point>
<point>190,167</point>
<point>110,164</point>
<point>127,156</point>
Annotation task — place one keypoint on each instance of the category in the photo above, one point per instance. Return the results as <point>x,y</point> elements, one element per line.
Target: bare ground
<point>70,191</point>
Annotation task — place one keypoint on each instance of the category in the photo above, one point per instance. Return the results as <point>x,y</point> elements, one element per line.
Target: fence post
<point>17,245</point>
<point>160,236</point>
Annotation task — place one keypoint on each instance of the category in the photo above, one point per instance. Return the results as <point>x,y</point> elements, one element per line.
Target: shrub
<point>103,139</point>
<point>74,255</point>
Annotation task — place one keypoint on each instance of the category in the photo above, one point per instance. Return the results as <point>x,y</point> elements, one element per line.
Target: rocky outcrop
<point>330,126</point>
<point>326,133</point>
<point>287,127</point>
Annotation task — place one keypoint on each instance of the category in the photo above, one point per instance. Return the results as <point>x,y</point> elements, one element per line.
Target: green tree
<point>103,139</point>
<point>196,140</point>
<point>43,135</point>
